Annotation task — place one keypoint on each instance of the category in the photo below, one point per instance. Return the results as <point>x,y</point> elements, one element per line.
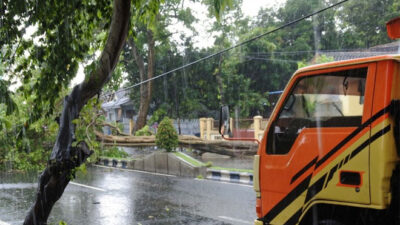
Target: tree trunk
<point>230,148</point>
<point>65,157</point>
<point>145,88</point>
<point>220,82</point>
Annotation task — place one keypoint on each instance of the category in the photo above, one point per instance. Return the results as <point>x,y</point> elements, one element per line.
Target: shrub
<point>157,116</point>
<point>145,131</point>
<point>166,136</point>
<point>114,152</point>
<point>208,164</point>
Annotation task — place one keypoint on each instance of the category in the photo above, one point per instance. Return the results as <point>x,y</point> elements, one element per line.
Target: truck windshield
<point>325,100</point>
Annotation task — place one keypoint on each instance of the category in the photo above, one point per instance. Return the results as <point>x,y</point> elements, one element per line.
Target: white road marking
<point>87,186</point>
<point>18,186</point>
<point>138,171</point>
<point>235,220</point>
<point>4,223</point>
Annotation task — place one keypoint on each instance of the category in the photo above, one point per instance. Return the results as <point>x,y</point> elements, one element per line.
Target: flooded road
<point>112,196</point>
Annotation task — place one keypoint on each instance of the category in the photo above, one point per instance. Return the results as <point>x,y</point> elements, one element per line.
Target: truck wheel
<point>329,222</point>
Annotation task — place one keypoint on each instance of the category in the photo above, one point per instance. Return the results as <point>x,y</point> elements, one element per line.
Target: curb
<point>163,163</point>
<point>211,174</point>
<point>230,176</point>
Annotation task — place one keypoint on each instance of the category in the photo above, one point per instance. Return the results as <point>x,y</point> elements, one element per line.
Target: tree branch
<point>138,59</point>
<point>65,157</point>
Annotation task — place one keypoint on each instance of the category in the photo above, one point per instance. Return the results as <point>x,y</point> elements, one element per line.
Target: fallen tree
<point>230,148</point>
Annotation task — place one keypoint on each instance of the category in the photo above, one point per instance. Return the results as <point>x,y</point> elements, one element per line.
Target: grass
<point>196,162</point>
<point>232,169</point>
<point>189,159</point>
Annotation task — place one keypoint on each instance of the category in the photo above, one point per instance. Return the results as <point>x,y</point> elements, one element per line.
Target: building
<point>118,108</point>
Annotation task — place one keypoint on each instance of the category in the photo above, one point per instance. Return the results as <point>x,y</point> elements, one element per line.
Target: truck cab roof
<point>350,62</point>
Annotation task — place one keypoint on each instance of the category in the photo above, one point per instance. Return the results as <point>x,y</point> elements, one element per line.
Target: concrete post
<point>257,126</point>
<point>202,127</point>
<point>209,127</point>
<point>231,124</point>
<point>131,125</point>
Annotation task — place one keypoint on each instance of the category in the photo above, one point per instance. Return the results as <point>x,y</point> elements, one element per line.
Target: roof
<point>340,56</point>
<point>116,103</point>
<point>116,100</point>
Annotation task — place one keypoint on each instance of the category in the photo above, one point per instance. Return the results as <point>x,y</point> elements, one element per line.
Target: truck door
<point>314,131</point>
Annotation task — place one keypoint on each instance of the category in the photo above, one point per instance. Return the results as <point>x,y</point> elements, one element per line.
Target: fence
<point>187,126</point>
<point>207,128</point>
<point>248,128</point>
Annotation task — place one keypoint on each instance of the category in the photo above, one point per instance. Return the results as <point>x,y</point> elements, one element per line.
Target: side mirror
<point>224,121</point>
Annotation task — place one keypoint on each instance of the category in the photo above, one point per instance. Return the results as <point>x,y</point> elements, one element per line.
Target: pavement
<point>117,196</point>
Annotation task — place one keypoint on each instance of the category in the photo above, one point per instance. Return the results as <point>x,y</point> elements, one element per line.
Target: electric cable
<point>235,46</point>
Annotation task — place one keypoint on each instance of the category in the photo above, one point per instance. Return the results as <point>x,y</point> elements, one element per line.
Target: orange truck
<point>330,152</point>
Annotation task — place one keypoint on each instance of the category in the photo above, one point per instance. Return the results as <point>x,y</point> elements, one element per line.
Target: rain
<point>111,112</point>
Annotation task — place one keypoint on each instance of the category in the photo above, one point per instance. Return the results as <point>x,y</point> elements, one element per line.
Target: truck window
<point>325,100</point>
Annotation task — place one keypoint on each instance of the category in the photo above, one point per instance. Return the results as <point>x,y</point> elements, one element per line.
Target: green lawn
<point>189,159</point>
<point>231,169</point>
<point>196,162</point>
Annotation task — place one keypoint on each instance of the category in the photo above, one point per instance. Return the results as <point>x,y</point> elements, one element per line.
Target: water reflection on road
<point>109,196</point>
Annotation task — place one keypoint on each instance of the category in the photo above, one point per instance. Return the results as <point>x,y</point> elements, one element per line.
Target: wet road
<point>111,196</point>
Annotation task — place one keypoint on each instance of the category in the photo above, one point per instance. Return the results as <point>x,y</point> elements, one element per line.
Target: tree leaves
<point>5,97</point>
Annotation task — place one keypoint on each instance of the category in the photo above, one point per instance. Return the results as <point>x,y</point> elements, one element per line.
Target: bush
<point>209,164</point>
<point>145,131</point>
<point>114,152</point>
<point>166,136</point>
<point>157,116</point>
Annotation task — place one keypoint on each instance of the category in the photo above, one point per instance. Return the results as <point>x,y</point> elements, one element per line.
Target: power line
<point>237,45</point>
<point>271,59</point>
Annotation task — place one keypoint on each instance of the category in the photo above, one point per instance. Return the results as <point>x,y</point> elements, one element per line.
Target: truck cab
<point>329,154</point>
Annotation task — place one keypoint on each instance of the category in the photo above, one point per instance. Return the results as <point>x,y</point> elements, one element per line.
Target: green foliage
<point>157,116</point>
<point>62,222</point>
<point>25,144</point>
<point>114,152</point>
<point>116,79</point>
<point>6,98</point>
<point>166,137</point>
<point>65,37</point>
<point>220,6</point>
<point>81,169</point>
<point>90,119</point>
<point>145,131</point>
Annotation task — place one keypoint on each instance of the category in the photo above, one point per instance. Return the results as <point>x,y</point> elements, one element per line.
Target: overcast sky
<point>250,8</point>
